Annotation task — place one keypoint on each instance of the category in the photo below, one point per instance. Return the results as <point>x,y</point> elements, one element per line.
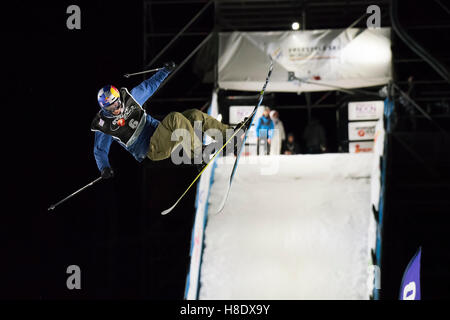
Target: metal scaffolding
<point>250,15</point>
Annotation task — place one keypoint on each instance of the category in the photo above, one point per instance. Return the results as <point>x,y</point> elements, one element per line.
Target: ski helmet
<point>107,96</point>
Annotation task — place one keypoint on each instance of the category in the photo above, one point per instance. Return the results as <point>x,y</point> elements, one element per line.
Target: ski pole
<point>53,206</point>
<point>142,72</point>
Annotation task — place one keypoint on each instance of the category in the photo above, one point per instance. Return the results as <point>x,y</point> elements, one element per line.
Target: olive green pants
<point>162,144</point>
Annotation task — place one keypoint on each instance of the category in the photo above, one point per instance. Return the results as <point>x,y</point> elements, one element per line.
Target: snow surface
<point>301,233</point>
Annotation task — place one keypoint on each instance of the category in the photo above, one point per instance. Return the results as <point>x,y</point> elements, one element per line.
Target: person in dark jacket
<point>314,137</point>
<point>290,146</point>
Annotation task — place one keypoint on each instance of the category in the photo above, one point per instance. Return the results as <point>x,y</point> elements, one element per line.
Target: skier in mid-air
<point>123,119</point>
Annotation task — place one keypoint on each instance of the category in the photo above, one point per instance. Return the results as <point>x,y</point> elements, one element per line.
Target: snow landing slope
<point>294,227</point>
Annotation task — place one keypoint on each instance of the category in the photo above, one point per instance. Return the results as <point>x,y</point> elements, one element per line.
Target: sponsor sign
<point>361,130</point>
<point>365,110</point>
<point>359,147</point>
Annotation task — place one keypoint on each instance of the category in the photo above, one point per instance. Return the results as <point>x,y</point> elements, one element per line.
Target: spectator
<point>279,134</point>
<point>264,131</point>
<point>290,146</point>
<point>314,137</point>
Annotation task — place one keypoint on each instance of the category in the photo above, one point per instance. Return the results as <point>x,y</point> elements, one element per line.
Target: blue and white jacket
<point>139,148</point>
<point>265,125</point>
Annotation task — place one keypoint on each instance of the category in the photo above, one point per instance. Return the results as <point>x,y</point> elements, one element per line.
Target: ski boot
<point>200,166</point>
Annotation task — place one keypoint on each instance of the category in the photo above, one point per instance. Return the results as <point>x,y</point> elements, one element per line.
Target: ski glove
<point>169,66</point>
<point>107,173</point>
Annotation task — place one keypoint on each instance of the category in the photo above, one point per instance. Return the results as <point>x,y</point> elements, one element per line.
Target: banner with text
<point>201,205</point>
<point>318,59</point>
<point>365,110</point>
<point>410,287</point>
<point>364,130</point>
<point>359,147</point>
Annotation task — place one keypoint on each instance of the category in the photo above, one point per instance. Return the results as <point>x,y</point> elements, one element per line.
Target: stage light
<point>295,26</point>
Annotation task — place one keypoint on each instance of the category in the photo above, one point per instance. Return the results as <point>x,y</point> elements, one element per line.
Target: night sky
<point>53,75</point>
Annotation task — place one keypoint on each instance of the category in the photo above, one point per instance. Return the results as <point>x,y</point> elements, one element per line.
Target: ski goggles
<point>114,106</point>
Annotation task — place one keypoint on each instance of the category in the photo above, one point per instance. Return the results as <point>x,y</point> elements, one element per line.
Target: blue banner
<point>410,288</point>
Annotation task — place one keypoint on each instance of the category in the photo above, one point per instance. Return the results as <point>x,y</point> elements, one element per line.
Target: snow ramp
<point>293,227</point>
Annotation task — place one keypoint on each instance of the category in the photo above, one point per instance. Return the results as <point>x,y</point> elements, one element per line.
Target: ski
<point>243,125</point>
<point>246,126</point>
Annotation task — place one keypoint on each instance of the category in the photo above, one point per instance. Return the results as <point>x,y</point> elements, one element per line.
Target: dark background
<point>114,231</point>
<point>52,77</point>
